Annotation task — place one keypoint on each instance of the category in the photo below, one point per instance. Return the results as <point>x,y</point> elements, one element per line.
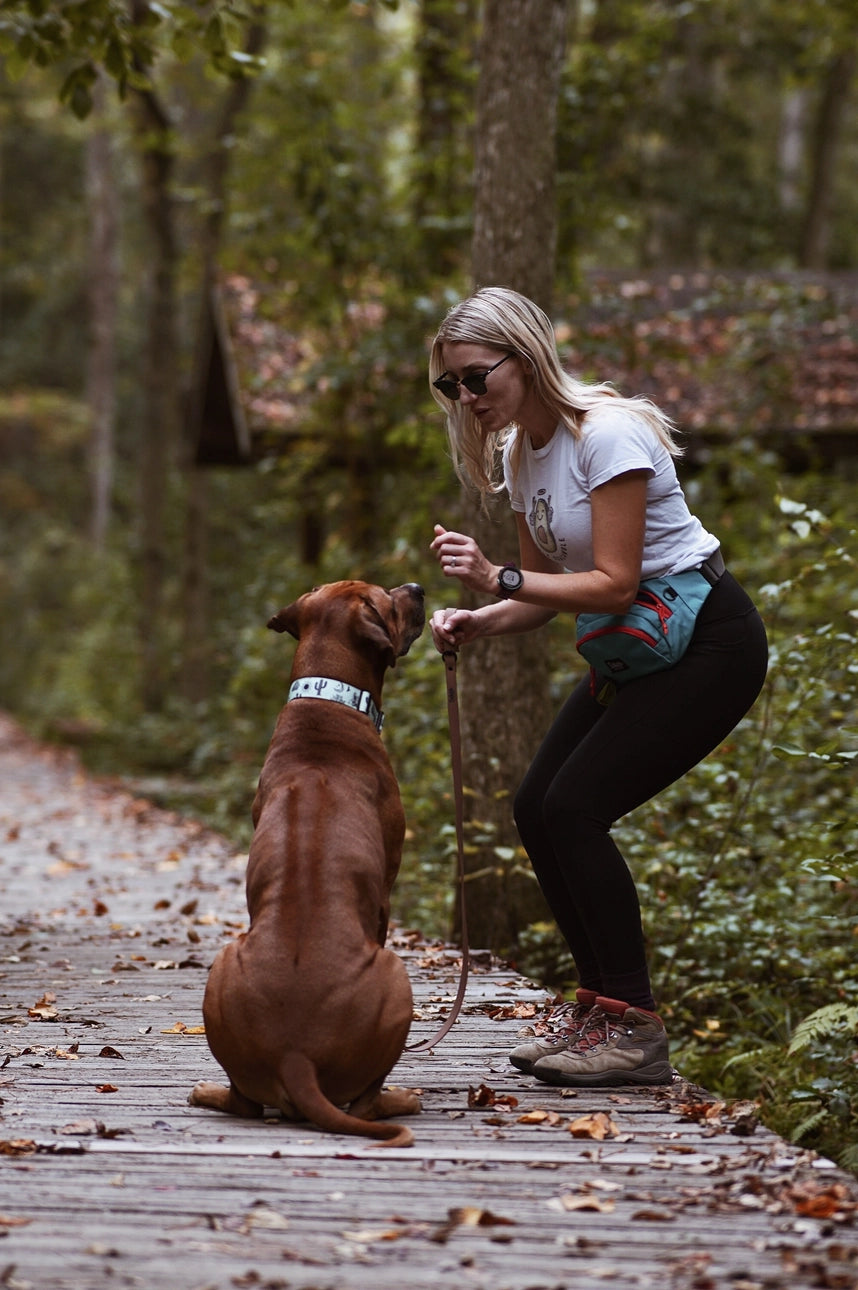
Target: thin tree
<point>505,694</point>
<point>825,144</point>
<point>195,588</point>
<point>103,299</point>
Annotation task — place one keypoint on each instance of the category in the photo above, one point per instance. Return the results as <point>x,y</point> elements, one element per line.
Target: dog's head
<point>359,614</point>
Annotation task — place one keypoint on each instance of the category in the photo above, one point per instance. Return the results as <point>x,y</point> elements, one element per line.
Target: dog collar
<point>322,687</point>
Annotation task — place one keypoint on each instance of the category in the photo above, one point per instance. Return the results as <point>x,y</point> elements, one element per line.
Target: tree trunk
<point>790,149</point>
<point>103,295</point>
<point>504,681</point>
<point>195,669</point>
<point>814,239</point>
<point>160,385</point>
<point>444,50</point>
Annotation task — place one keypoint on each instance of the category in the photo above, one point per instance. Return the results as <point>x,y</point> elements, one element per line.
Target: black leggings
<point>598,763</point>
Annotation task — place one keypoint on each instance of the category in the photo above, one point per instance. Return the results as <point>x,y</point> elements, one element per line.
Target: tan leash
<point>450,661</point>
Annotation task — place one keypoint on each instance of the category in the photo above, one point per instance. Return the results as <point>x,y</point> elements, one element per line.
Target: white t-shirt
<point>555,482</point>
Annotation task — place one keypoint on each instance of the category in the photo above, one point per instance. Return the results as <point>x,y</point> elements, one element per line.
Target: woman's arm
<point>618,511</point>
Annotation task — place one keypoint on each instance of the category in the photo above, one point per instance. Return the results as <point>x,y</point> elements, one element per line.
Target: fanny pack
<point>656,631</point>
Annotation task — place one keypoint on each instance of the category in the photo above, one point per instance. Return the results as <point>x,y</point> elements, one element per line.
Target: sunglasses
<point>474,382</point>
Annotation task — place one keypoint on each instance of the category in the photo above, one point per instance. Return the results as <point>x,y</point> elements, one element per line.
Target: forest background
<point>229,232</point>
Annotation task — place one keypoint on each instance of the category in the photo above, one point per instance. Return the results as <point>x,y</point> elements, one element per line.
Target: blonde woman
<point>593,486</point>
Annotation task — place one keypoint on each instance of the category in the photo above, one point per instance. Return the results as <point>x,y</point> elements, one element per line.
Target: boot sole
<point>527,1064</point>
<point>656,1073</point>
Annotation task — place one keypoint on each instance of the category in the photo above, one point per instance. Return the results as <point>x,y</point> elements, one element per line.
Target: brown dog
<point>307,1011</point>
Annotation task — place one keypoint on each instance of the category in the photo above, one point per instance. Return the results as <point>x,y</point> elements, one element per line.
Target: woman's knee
<point>567,818</point>
<point>527,812</point>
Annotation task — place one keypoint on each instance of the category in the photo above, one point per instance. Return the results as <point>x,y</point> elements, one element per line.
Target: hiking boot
<point>560,1028</point>
<point>618,1044</point>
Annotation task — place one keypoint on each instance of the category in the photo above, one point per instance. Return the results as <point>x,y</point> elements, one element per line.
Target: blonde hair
<point>502,319</point>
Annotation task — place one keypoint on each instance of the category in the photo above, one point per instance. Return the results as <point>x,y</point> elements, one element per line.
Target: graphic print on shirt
<point>540,517</point>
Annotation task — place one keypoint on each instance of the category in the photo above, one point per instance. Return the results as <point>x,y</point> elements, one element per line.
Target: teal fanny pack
<point>653,635</point>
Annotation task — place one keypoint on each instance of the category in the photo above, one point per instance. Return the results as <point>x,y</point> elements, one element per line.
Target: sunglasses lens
<point>450,389</point>
<point>476,384</point>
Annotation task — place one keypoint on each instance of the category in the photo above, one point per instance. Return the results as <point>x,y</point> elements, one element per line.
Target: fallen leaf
<point>571,1203</point>
<point>43,1009</point>
<point>701,1112</point>
<point>598,1126</point>
<point>9,1220</point>
<point>368,1236</point>
<point>83,1128</point>
<point>106,1088</point>
<point>265,1219</point>
<point>107,1051</point>
<point>813,1201</point>
<point>17,1147</point>
<point>469,1216</point>
<point>538,1116</point>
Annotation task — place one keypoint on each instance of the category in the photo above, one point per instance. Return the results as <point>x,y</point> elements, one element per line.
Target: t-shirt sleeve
<point>615,441</point>
<point>516,497</point>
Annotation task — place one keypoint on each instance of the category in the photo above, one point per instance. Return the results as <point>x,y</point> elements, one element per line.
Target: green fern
<point>807,1126</point>
<point>848,1158</point>
<point>825,1023</point>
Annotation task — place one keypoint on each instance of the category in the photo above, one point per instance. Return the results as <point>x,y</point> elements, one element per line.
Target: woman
<point>593,487</point>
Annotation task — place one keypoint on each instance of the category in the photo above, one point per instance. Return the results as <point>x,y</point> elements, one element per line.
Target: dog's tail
<point>301,1093</point>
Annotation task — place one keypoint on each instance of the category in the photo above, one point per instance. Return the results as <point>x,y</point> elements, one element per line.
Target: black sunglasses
<point>475,382</point>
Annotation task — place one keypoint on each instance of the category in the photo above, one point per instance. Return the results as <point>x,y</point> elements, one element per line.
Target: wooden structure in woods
<point>666,335</point>
<point>219,430</point>
<point>112,911</point>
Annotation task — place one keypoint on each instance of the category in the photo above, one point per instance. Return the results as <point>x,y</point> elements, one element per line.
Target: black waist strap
<point>713,567</point>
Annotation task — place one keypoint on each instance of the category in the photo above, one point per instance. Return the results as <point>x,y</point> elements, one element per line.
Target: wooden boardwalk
<point>112,911</point>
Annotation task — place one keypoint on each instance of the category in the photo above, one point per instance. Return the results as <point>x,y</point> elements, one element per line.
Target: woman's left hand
<point>460,557</point>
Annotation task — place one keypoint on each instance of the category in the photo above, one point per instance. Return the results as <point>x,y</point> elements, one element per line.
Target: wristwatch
<point>510,580</point>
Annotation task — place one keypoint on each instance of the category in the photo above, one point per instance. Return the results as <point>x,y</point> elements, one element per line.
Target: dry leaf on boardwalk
<point>17,1147</point>
<point>598,1127</point>
<point>264,1218</point>
<point>469,1216</point>
<point>43,1009</point>
<point>538,1116</point>
<point>370,1235</point>
<point>814,1201</point>
<point>740,1118</point>
<point>485,1096</point>
<point>592,1204</point>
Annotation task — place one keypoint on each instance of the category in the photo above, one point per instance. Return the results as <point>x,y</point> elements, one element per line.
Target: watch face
<point>510,579</point>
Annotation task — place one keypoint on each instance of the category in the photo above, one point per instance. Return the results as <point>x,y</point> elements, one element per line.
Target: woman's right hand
<point>453,627</point>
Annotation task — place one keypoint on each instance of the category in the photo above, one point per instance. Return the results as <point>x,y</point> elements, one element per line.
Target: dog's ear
<point>380,637</point>
<point>377,630</point>
<point>286,620</point>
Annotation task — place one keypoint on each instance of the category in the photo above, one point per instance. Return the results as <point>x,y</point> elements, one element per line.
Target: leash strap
<point>450,661</point>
